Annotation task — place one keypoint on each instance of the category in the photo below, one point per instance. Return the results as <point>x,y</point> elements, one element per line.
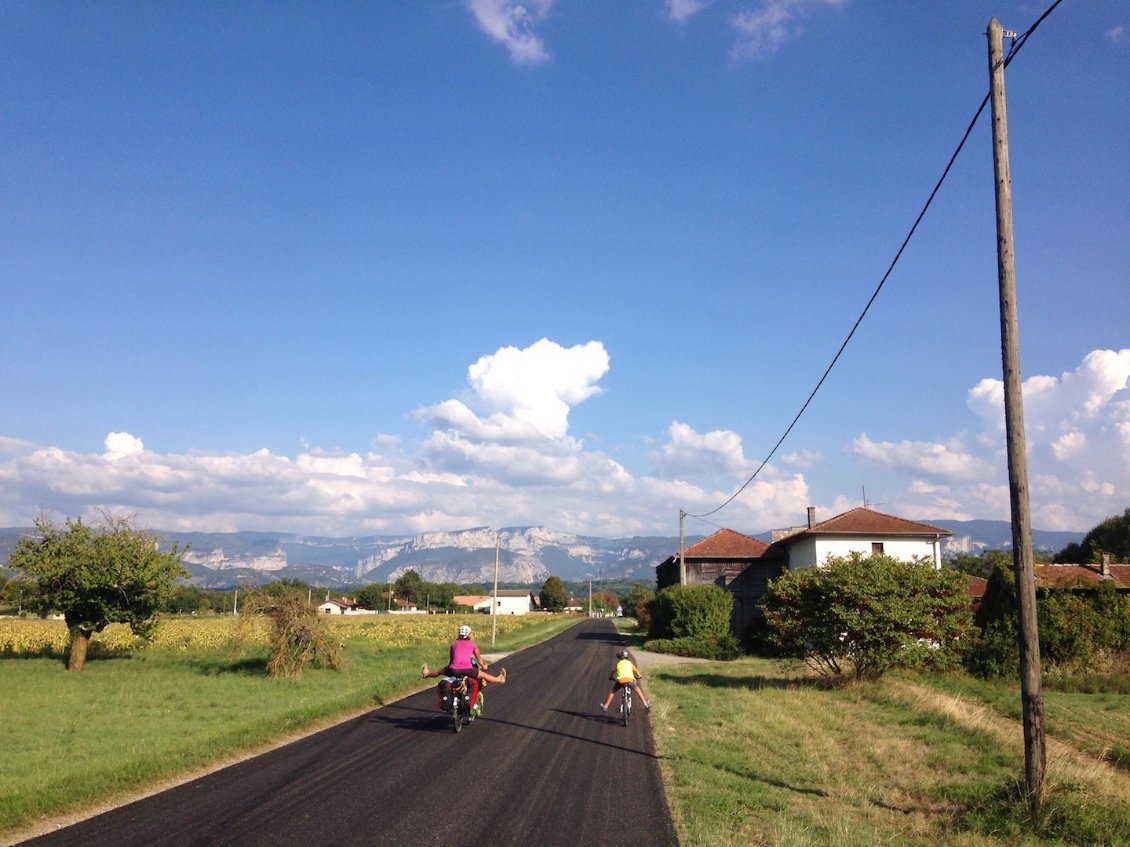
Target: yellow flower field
<point>22,636</point>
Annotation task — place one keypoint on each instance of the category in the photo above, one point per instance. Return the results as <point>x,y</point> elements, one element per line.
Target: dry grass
<point>756,755</point>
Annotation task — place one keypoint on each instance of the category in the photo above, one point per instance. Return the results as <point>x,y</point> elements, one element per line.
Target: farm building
<point>744,565</point>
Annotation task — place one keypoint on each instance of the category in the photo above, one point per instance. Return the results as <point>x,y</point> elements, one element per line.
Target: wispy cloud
<point>682,10</point>
<point>771,23</point>
<point>511,23</point>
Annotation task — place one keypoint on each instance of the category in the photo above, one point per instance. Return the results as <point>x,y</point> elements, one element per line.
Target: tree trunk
<point>80,640</point>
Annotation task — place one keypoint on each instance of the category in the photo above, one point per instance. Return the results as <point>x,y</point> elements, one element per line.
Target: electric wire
<point>1017,44</point>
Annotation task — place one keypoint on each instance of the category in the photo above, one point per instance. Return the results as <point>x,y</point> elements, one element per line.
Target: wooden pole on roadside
<point>1031,683</point>
<point>494,599</point>
<point>682,549</point>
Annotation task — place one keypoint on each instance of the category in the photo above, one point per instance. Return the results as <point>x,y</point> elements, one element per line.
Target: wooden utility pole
<point>1031,684</point>
<point>682,550</point>
<point>494,598</point>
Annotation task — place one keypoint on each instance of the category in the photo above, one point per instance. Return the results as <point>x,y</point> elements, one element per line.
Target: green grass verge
<point>125,722</point>
<point>755,753</point>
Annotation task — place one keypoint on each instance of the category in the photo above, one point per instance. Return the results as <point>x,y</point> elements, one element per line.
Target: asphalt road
<point>543,767</point>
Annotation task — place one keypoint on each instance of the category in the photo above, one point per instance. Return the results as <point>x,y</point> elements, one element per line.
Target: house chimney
<point>811,517</point>
<point>1106,566</point>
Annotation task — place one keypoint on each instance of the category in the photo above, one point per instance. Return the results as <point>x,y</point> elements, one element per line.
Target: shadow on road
<point>418,720</point>
<point>431,720</point>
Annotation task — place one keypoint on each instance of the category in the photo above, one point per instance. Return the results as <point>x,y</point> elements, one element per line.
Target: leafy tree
<point>869,615</point>
<point>604,602</point>
<point>980,564</point>
<point>1111,536</point>
<point>637,603</point>
<point>1079,624</point>
<point>96,576</point>
<point>554,597</point>
<point>373,596</point>
<point>186,600</point>
<point>441,595</point>
<point>410,586</point>
<point>996,651</point>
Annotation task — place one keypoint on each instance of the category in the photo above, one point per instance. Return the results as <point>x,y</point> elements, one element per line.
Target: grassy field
<point>135,717</point>
<point>753,752</point>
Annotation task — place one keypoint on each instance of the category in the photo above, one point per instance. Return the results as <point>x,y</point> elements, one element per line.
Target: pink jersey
<point>461,653</point>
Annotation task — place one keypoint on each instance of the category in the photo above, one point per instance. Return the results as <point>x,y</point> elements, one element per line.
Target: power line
<point>1017,45</point>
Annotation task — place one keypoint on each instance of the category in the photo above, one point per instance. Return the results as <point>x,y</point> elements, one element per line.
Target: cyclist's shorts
<point>619,684</point>
<point>471,672</point>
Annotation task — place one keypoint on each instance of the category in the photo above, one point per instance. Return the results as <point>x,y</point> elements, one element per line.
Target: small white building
<point>513,601</point>
<point>339,606</point>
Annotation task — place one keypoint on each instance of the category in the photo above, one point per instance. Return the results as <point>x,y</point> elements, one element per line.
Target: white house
<point>514,601</point>
<point>342,606</point>
<point>862,531</point>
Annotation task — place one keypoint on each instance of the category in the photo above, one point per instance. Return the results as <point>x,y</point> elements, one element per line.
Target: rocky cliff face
<point>217,560</point>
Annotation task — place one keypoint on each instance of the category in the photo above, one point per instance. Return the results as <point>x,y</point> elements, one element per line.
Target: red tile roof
<point>864,521</point>
<point>727,544</point>
<point>1120,574</point>
<point>976,587</point>
<point>1066,575</point>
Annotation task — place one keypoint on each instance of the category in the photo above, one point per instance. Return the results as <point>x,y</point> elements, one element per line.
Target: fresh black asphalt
<point>543,767</point>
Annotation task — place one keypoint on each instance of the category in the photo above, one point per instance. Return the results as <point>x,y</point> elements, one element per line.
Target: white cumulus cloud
<point>119,444</point>
<point>1077,438</point>
<point>770,23</point>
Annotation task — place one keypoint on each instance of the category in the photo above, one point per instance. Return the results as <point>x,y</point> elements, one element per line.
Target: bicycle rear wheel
<point>626,706</point>
<point>456,717</point>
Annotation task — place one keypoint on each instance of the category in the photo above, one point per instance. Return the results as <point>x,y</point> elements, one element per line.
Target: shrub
<point>691,611</point>
<point>299,635</point>
<point>1080,626</point>
<point>724,648</point>
<point>869,615</point>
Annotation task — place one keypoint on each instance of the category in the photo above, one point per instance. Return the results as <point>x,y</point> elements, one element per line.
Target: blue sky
<point>382,268</point>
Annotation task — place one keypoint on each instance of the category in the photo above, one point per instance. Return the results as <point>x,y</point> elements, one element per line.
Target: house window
<point>876,547</point>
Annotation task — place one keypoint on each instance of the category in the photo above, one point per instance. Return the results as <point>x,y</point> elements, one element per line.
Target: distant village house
<point>744,565</point>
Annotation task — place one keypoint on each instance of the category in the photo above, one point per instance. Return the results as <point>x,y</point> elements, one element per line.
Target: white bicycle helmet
<point>623,654</point>
<point>464,631</point>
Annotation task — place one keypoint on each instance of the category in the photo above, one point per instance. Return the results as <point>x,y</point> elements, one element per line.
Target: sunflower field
<point>35,637</point>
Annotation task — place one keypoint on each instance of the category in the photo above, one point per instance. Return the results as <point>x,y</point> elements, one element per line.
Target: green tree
<point>980,564</point>
<point>410,586</point>
<point>186,600</point>
<point>96,576</point>
<point>1111,536</point>
<point>554,597</point>
<point>637,603</point>
<point>869,615</point>
<point>604,602</point>
<point>373,596</point>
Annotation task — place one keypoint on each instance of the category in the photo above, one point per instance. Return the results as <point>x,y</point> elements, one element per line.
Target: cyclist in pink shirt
<point>465,661</point>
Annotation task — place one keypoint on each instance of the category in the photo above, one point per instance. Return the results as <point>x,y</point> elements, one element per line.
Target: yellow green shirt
<point>625,671</point>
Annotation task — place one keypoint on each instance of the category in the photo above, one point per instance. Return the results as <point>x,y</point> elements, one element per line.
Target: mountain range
<point>525,555</point>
